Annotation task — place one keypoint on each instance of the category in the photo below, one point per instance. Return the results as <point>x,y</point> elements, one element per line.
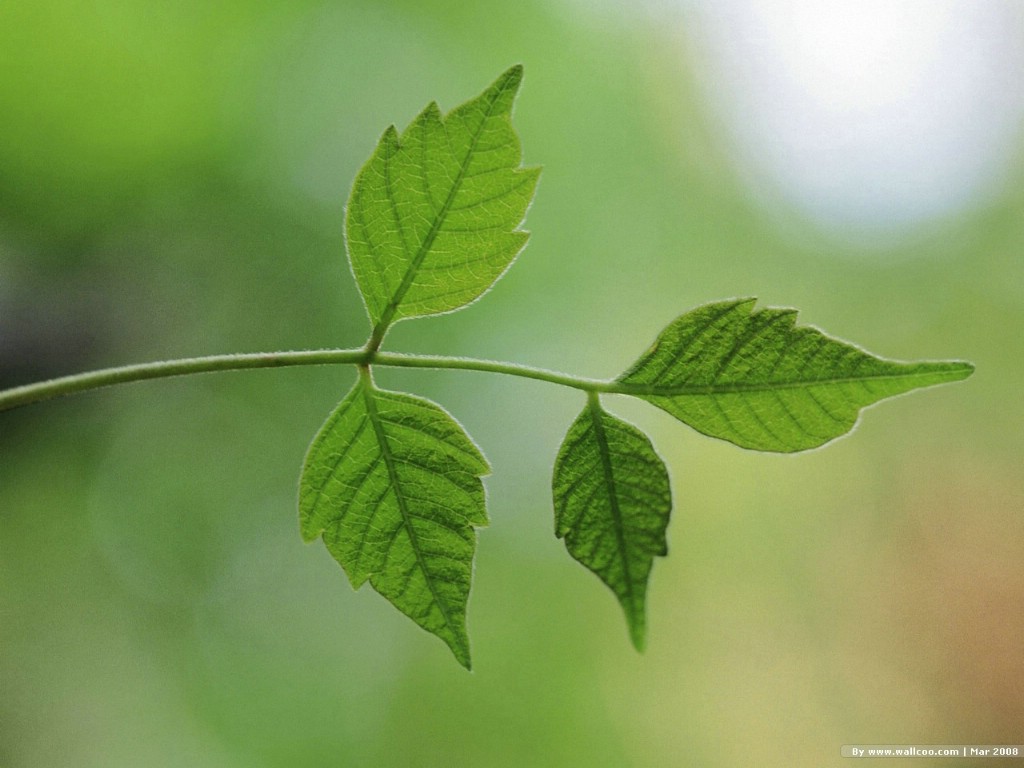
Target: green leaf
<point>392,483</point>
<point>755,379</point>
<point>433,215</point>
<point>612,505</point>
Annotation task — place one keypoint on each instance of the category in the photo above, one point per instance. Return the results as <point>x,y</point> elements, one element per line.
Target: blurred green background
<point>172,183</point>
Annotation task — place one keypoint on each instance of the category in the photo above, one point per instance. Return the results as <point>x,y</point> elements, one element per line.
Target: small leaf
<point>433,215</point>
<point>755,379</point>
<point>612,505</point>
<point>392,483</point>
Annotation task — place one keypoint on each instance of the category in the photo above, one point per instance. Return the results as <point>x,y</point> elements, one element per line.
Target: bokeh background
<point>172,183</point>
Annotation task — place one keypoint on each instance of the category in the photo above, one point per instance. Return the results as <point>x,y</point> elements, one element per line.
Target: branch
<point>83,382</point>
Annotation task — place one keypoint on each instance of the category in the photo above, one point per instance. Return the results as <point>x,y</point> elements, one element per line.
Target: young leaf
<point>392,483</point>
<point>756,380</point>
<point>433,215</point>
<point>612,505</point>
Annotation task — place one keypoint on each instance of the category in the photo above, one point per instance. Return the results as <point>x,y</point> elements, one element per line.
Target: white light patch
<point>873,117</point>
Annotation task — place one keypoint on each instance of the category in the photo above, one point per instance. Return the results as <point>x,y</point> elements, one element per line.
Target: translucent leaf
<point>433,216</point>
<point>755,379</point>
<point>612,505</point>
<point>392,484</point>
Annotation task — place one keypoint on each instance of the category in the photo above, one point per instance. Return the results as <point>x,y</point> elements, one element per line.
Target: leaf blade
<point>756,379</point>
<point>612,505</point>
<point>432,220</point>
<point>392,485</point>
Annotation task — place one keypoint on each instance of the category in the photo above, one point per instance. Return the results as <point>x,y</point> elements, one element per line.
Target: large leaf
<point>612,505</point>
<point>755,379</point>
<point>433,215</point>
<point>392,483</point>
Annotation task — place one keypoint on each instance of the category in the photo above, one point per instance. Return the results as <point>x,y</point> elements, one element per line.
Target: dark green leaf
<point>392,483</point>
<point>755,379</point>
<point>612,505</point>
<point>433,216</point>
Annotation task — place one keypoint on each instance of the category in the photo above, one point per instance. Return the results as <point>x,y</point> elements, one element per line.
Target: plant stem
<point>81,382</point>
<point>437,362</point>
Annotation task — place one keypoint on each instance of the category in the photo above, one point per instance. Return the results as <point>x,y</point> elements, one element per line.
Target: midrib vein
<point>396,486</point>
<point>410,274</point>
<point>668,390</point>
<point>594,406</point>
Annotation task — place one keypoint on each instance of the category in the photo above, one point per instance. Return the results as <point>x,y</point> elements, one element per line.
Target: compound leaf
<point>755,379</point>
<point>433,217</point>
<point>392,484</point>
<point>612,505</point>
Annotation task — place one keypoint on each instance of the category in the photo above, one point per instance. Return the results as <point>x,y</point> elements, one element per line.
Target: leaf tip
<point>638,633</point>
<point>961,369</point>
<point>945,371</point>
<point>458,644</point>
<point>508,83</point>
<point>512,76</point>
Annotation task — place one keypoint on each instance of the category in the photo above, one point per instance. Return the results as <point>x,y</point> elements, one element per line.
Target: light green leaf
<point>433,216</point>
<point>392,484</point>
<point>755,379</point>
<point>612,505</point>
